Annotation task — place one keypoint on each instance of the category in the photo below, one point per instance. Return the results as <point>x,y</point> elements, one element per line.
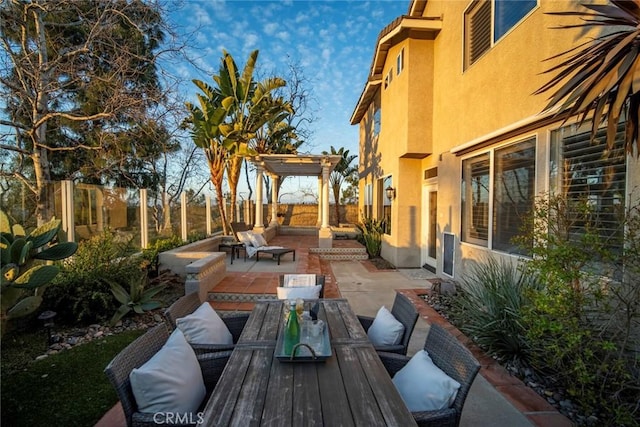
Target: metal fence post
<point>144,219</point>
<point>183,215</point>
<point>68,224</point>
<point>207,202</point>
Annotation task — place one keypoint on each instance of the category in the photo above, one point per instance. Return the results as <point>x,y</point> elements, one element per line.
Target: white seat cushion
<point>258,240</point>
<point>304,292</point>
<point>171,381</point>
<point>204,326</point>
<point>423,386</point>
<point>385,329</point>
<point>243,236</point>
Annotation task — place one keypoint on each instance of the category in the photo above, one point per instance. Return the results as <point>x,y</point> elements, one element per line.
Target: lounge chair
<point>255,243</point>
<point>404,311</point>
<point>448,354</point>
<point>137,354</point>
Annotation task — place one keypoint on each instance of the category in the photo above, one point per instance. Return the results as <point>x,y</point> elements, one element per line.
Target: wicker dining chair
<point>455,360</point>
<point>137,354</point>
<point>404,311</point>
<point>187,304</point>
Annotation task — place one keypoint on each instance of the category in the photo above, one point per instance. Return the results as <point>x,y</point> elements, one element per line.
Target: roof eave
<point>398,30</point>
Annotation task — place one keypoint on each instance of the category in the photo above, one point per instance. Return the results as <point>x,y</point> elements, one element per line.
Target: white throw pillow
<point>423,386</point>
<point>171,381</point>
<point>204,326</point>
<point>258,240</point>
<point>304,292</point>
<point>245,237</point>
<point>385,329</point>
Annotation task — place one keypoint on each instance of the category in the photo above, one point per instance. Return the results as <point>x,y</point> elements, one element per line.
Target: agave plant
<point>601,75</point>
<point>25,271</point>
<point>138,299</point>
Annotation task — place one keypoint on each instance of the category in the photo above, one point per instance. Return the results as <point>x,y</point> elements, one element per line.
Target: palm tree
<point>601,75</point>
<point>251,105</point>
<point>206,122</point>
<point>342,170</point>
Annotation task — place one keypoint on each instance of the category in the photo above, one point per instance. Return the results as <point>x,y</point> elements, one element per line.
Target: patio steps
<point>341,253</point>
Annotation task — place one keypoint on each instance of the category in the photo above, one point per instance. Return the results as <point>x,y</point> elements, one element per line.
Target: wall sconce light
<point>391,192</point>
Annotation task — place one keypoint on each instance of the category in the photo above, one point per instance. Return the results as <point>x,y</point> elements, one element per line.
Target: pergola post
<point>259,224</point>
<point>274,201</point>
<point>319,222</point>
<point>325,236</point>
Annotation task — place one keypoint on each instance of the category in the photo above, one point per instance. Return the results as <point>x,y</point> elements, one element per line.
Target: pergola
<point>279,166</point>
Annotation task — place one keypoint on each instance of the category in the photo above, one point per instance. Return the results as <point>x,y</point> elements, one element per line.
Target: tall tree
<point>251,107</point>
<point>207,120</point>
<point>79,78</point>
<point>602,75</point>
<point>341,172</point>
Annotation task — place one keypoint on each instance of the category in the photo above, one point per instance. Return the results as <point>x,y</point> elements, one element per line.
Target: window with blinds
<point>498,195</point>
<point>486,21</point>
<point>477,28</point>
<point>475,200</point>
<point>588,174</point>
<point>513,193</point>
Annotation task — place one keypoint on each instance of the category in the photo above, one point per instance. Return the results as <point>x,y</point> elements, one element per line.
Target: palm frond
<point>599,77</point>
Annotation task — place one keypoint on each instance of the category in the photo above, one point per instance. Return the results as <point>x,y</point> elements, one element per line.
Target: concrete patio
<point>496,397</point>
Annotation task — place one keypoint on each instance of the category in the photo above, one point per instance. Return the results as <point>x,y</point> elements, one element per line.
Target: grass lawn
<point>65,389</point>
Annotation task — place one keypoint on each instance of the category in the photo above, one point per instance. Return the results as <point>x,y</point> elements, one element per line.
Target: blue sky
<point>332,41</point>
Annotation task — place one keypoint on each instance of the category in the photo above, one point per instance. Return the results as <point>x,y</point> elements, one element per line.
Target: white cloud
<point>271,28</point>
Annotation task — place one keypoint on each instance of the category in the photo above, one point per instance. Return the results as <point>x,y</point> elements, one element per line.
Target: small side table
<point>234,248</point>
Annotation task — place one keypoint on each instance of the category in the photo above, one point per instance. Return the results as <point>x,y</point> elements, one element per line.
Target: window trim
<point>400,62</point>
<point>491,152</point>
<point>473,8</point>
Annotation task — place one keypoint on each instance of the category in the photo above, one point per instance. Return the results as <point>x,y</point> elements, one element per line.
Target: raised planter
<point>200,263</point>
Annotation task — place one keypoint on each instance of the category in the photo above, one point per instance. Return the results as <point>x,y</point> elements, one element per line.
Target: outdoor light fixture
<point>391,192</point>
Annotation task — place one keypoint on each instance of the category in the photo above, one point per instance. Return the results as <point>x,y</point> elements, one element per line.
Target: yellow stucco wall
<point>436,106</point>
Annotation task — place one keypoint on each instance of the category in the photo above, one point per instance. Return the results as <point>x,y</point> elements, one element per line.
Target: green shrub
<point>26,261</point>
<point>489,305</point>
<point>82,292</point>
<point>583,326</point>
<point>372,230</point>
<point>150,254</point>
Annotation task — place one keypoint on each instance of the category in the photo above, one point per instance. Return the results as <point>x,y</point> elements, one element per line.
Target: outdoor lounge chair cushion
<point>257,240</point>
<point>385,329</point>
<point>423,386</point>
<point>171,381</point>
<point>304,292</point>
<point>204,326</point>
<point>243,236</point>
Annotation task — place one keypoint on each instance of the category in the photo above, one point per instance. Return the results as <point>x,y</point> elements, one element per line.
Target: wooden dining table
<point>351,387</point>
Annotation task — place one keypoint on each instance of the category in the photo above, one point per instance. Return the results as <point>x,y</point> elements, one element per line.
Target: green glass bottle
<point>291,330</point>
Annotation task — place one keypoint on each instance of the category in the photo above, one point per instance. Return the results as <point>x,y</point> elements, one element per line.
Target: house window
<point>400,62</point>
<point>582,171</point>
<point>376,121</point>
<point>514,193</point>
<point>487,21</point>
<point>501,187</point>
<point>384,204</point>
<point>388,78</point>
<point>368,200</point>
<point>475,200</point>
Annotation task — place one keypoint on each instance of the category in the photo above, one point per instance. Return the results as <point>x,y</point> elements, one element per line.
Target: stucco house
<point>454,146</point>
